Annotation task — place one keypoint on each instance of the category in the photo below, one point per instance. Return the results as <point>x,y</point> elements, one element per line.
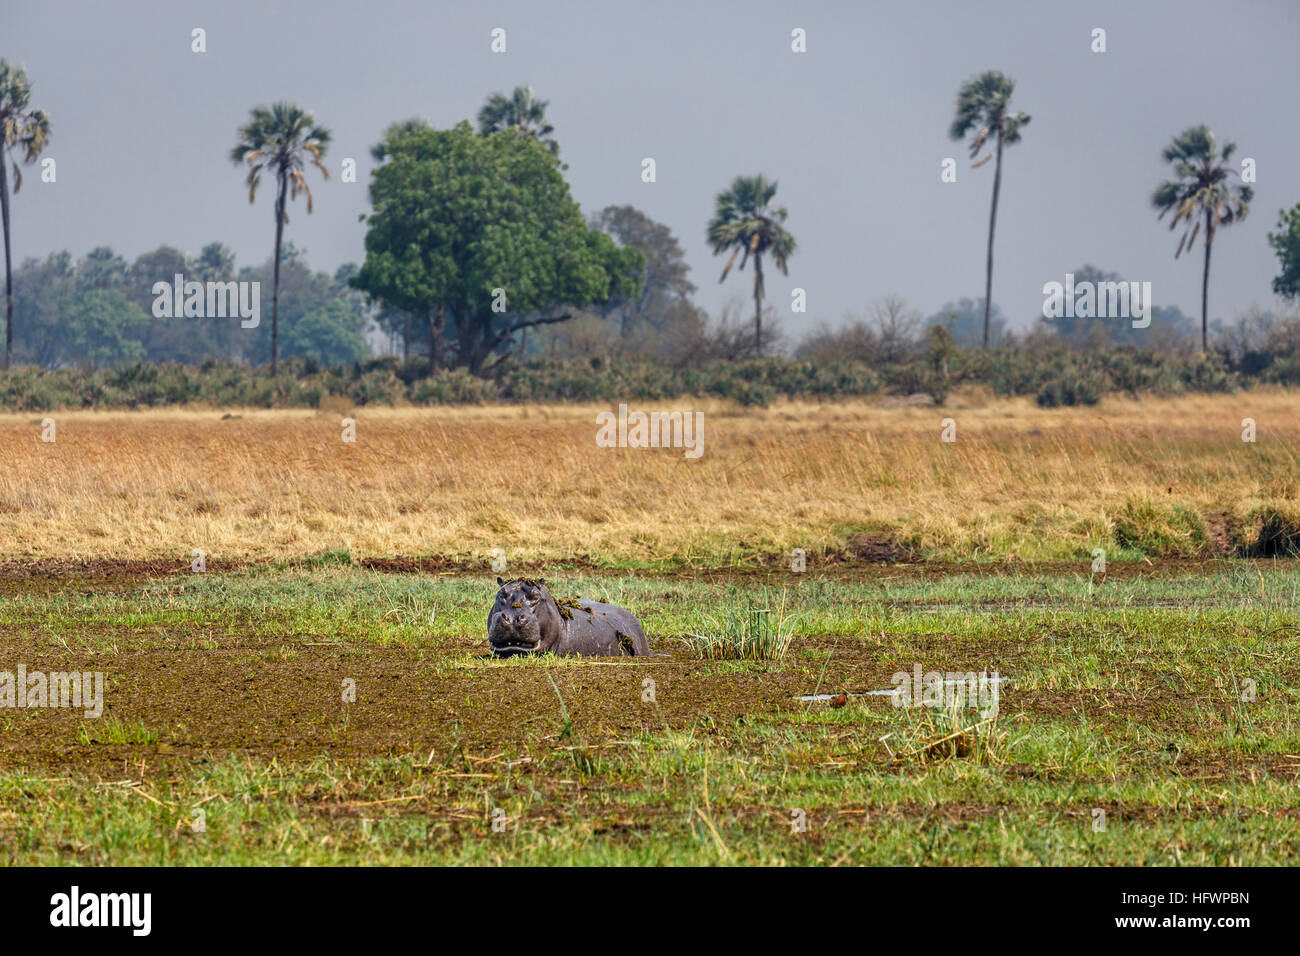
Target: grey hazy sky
<point>854,129</point>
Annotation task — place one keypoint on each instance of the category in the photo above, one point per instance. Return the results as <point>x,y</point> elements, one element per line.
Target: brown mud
<point>282,698</point>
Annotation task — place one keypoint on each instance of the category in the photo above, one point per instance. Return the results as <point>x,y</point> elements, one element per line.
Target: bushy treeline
<point>99,311</point>
<point>1060,366</point>
<point>89,341</point>
<point>1055,375</point>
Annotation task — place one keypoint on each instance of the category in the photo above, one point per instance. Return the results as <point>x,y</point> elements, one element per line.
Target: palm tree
<point>277,140</point>
<point>983,105</point>
<point>395,130</point>
<point>521,110</point>
<point>28,131</point>
<point>1202,189</point>
<point>745,221</point>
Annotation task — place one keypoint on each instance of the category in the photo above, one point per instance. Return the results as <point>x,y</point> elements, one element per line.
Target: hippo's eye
<point>516,604</point>
<point>534,595</point>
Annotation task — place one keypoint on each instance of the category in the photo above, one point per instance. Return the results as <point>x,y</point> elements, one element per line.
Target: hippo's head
<point>524,619</point>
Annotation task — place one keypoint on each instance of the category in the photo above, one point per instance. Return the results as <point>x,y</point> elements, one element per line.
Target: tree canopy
<point>1286,244</point>
<point>665,288</point>
<point>97,312</point>
<point>481,237</point>
<point>521,110</point>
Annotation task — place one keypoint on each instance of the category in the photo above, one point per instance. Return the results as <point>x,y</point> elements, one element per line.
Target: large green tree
<point>1286,244</point>
<point>480,236</point>
<point>102,327</point>
<point>984,108</point>
<point>44,293</point>
<point>1202,193</point>
<point>23,131</point>
<point>393,321</point>
<point>521,110</point>
<point>103,269</point>
<point>77,314</point>
<point>329,334</point>
<point>746,222</point>
<point>280,141</point>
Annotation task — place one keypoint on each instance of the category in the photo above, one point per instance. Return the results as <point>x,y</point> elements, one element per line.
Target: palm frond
<point>1203,188</point>
<point>279,137</point>
<point>727,267</point>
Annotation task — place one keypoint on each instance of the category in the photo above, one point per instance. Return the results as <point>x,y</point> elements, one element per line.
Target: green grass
<point>402,609</point>
<point>1126,703</point>
<point>114,731</point>
<point>692,797</point>
<point>749,627</point>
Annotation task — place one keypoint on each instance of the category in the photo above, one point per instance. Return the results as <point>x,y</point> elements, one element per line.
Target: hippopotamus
<point>527,619</point>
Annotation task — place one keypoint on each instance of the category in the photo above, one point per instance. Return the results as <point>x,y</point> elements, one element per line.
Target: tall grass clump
<point>745,631</point>
<point>1159,531</point>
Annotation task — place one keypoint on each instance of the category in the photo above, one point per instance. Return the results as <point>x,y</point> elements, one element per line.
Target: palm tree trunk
<point>758,303</point>
<point>1205,285</point>
<point>993,222</point>
<point>9,270</point>
<point>275,288</point>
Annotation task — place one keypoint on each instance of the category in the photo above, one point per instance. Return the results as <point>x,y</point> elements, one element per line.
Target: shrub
<point>456,387</point>
<point>1279,533</point>
<point>1058,376</point>
<point>1160,532</point>
<point>377,387</point>
<point>1068,391</point>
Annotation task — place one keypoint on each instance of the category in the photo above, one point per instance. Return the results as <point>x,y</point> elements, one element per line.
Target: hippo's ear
<point>542,581</point>
<point>500,583</point>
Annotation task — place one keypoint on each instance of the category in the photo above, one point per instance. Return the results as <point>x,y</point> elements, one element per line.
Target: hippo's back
<point>603,629</point>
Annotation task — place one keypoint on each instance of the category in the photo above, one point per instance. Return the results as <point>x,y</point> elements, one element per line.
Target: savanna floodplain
<point>322,693</point>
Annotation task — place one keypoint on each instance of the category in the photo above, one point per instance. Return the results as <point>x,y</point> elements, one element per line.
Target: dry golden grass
<point>1019,482</point>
